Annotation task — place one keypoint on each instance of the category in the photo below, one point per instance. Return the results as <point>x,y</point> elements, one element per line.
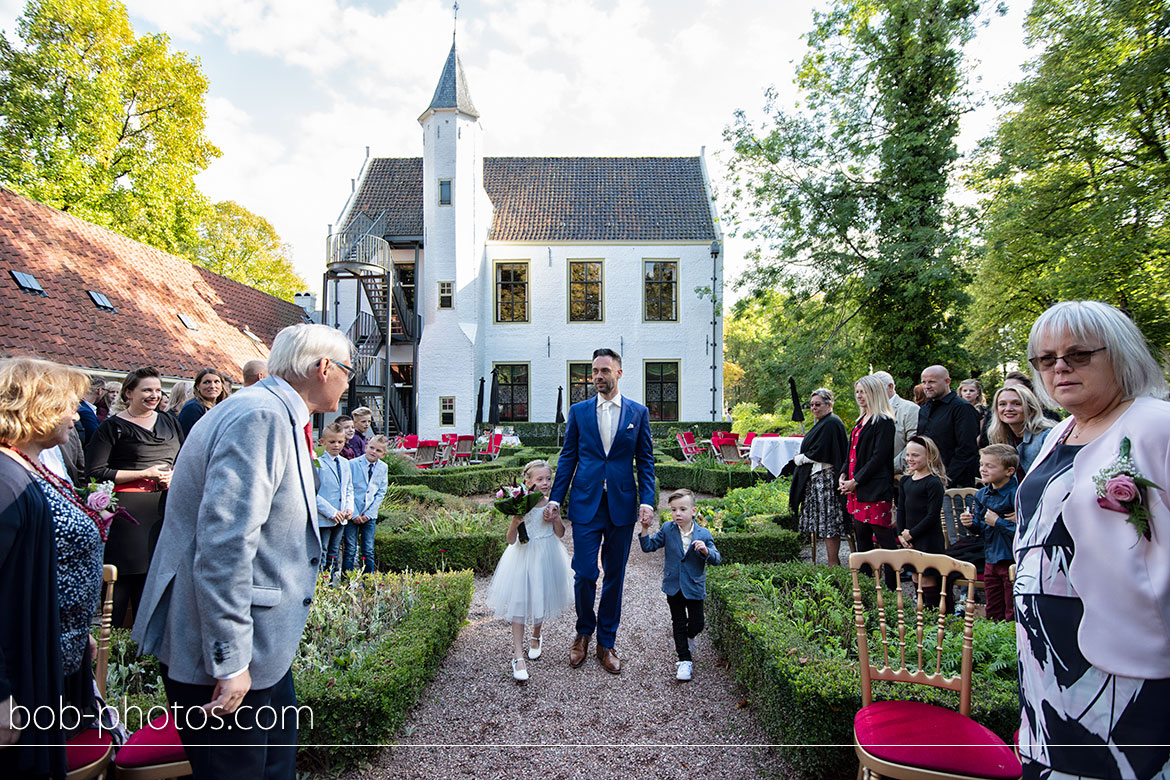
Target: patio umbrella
<point>797,412</point>
<point>479,409</point>
<point>494,400</point>
<point>560,412</point>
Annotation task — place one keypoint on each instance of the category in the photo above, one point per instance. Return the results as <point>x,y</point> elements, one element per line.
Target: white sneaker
<point>693,644</point>
<point>519,673</point>
<point>684,670</point>
<point>534,646</point>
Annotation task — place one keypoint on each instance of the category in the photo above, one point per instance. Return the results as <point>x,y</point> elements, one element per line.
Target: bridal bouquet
<point>517,499</point>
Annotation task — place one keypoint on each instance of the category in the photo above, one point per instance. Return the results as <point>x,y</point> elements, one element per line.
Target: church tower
<point>456,217</point>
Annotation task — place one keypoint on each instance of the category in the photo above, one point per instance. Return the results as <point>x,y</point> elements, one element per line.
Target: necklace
<point>65,489</point>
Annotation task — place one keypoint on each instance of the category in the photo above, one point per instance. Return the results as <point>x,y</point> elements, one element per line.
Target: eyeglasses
<point>349,372</point>
<point>1077,359</point>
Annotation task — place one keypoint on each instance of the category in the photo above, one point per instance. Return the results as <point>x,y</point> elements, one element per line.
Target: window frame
<point>527,387</point>
<point>450,295</point>
<point>591,392</point>
<point>600,262</point>
<point>648,261</point>
<point>646,363</point>
<point>496,289</point>
<point>450,192</point>
<point>443,399</point>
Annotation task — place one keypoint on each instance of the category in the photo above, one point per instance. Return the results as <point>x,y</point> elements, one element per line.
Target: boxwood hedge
<point>418,551</point>
<point>765,542</point>
<point>796,655</point>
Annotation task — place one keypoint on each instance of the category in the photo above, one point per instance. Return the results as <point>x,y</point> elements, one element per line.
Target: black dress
<point>30,644</point>
<point>120,445</point>
<point>920,510</point>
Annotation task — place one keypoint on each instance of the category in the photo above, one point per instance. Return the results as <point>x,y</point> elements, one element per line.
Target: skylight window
<point>100,300</point>
<point>187,321</point>
<point>28,282</point>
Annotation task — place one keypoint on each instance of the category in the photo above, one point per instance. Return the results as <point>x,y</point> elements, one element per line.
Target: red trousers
<point>997,586</point>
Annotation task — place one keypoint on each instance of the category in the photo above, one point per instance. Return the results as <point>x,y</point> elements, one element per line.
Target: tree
<point>240,245</point>
<point>103,124</point>
<point>849,196</point>
<point>1077,175</point>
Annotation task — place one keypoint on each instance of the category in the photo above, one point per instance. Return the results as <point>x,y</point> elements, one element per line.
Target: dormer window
<point>28,283</point>
<point>100,300</point>
<point>444,192</point>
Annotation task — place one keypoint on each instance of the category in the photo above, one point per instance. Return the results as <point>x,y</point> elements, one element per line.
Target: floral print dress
<point>873,512</point>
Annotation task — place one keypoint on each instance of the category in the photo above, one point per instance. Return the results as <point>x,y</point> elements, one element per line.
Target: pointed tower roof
<point>452,91</point>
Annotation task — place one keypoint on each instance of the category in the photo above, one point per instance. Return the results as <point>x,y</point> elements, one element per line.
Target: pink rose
<point>98,501</point>
<point>1121,488</point>
<point>1105,502</point>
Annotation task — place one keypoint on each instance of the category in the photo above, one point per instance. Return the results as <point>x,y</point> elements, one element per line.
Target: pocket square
<point>630,426</point>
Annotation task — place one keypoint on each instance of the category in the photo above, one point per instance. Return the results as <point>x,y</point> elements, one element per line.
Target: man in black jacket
<point>953,425</point>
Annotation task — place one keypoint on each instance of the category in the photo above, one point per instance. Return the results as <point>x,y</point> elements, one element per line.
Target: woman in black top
<point>868,481</point>
<point>813,496</point>
<point>136,450</point>
<point>207,391</point>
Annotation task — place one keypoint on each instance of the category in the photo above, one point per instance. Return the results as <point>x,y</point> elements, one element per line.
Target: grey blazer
<point>236,564</point>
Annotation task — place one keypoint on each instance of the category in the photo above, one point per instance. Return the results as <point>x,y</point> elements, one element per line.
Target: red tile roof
<point>148,287</point>
<point>558,198</point>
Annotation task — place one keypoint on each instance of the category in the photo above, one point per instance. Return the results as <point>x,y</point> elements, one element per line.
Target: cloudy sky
<point>299,88</point>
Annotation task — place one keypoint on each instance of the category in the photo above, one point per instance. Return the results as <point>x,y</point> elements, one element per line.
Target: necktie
<point>337,468</point>
<point>371,474</point>
<point>309,436</point>
<point>606,424</point>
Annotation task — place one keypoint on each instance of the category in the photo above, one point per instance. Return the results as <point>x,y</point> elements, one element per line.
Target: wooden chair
<point>90,753</point>
<point>955,502</point>
<point>686,442</point>
<point>426,453</point>
<point>907,739</point>
<point>728,452</point>
<point>464,446</point>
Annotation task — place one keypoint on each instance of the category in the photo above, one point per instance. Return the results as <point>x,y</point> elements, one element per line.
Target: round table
<point>772,452</point>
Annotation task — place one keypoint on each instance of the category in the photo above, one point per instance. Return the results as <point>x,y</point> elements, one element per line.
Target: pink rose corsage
<point>1120,488</point>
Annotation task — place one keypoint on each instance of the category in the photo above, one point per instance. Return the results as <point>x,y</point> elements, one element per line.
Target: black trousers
<point>686,618</point>
<point>257,742</point>
<point>127,593</point>
<point>887,539</point>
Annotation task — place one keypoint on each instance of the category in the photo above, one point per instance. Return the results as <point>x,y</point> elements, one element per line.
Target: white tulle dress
<point>533,582</point>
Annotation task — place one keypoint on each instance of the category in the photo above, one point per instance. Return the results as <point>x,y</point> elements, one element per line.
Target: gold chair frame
<point>104,619</point>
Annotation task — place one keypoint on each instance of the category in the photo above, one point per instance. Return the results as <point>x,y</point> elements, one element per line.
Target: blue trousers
<point>331,544</point>
<point>613,542</point>
<point>364,533</point>
<point>258,742</point>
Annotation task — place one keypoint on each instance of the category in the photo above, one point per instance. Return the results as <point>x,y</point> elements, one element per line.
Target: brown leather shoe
<point>579,650</point>
<point>609,660</point>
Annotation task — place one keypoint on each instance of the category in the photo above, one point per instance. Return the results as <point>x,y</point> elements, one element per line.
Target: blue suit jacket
<point>683,570</point>
<point>584,464</point>
<point>333,497</point>
<point>368,492</point>
<point>88,422</point>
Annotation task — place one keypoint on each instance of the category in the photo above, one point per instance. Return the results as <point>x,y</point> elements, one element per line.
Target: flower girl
<point>533,580</point>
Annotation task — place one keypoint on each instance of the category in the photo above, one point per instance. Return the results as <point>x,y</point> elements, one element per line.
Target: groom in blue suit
<point>607,437</point>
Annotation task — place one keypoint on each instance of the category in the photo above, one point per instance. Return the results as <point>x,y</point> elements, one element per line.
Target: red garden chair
<point>686,442</point>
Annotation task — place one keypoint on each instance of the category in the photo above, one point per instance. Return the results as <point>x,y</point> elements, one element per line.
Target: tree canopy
<point>103,124</point>
<point>240,245</point>
<point>1077,175</point>
<point>848,194</point>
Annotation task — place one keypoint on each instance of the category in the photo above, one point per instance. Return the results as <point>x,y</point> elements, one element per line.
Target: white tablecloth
<point>773,452</point>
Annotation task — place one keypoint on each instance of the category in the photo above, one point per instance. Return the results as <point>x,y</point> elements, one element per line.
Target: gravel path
<point>474,720</point>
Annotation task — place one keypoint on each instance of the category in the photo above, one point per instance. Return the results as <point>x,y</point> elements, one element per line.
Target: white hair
<point>1092,322</point>
<point>297,349</point>
<point>885,377</point>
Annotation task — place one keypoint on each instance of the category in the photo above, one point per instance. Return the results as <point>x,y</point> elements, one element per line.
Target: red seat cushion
<point>155,743</point>
<point>928,737</point>
<point>87,747</point>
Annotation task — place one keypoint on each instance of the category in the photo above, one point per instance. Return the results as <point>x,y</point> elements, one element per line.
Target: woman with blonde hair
<point>868,481</point>
<point>1018,420</point>
<point>50,568</point>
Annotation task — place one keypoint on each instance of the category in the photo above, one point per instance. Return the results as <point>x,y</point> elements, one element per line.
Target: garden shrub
<point>441,539</point>
<point>364,658</point>
<point>761,542</point>
<point>461,480</point>
<point>716,480</point>
<point>787,632</point>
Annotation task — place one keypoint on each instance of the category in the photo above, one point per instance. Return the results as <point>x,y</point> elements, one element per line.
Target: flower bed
<point>364,658</point>
<point>455,535</point>
<point>787,632</point>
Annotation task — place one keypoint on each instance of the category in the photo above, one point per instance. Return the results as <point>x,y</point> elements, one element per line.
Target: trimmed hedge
<point>461,480</point>
<point>767,544</point>
<point>544,434</point>
<point>716,481</point>
<point>802,691</point>
<point>366,703</point>
<point>417,551</point>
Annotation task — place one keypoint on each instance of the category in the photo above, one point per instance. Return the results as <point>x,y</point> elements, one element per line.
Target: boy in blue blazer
<point>689,548</point>
<point>369,488</point>
<point>335,495</point>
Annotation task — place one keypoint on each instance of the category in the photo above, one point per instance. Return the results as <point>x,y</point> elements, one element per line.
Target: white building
<point>464,263</point>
